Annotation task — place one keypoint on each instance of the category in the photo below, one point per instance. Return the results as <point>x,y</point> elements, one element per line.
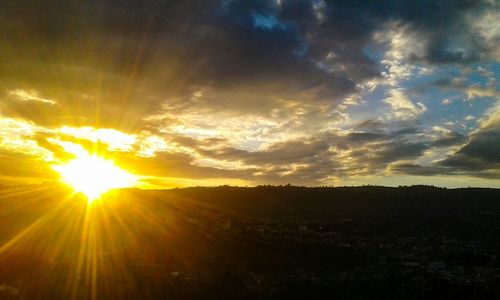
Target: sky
<point>188,93</point>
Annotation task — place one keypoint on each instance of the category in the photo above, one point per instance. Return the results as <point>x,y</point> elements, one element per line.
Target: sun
<point>93,175</point>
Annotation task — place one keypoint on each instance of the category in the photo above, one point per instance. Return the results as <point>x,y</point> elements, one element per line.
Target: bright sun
<point>93,175</point>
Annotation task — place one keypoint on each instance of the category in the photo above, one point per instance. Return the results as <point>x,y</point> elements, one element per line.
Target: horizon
<point>65,186</point>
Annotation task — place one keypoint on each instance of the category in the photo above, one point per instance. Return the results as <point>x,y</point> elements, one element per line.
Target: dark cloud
<point>134,54</point>
<point>484,145</point>
<point>282,153</point>
<point>399,150</point>
<point>371,125</point>
<point>480,156</point>
<point>481,153</point>
<point>463,49</point>
<point>449,139</point>
<point>364,137</point>
<point>415,169</point>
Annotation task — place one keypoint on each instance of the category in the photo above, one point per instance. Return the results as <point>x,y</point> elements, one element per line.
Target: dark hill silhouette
<point>323,203</point>
<point>265,242</point>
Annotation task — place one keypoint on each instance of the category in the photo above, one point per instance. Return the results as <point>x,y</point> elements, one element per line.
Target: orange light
<point>93,175</point>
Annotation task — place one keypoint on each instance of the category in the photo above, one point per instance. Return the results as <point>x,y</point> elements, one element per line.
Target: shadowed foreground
<point>245,243</point>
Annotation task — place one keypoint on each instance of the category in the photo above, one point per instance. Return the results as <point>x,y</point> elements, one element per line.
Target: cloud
<point>474,92</point>
<point>484,143</point>
<point>486,26</point>
<point>398,151</point>
<point>23,95</point>
<point>313,49</point>
<point>446,101</point>
<point>116,140</point>
<point>402,107</point>
<point>293,151</point>
<point>449,138</point>
<point>414,169</point>
<point>478,155</point>
<point>481,153</point>
<point>403,45</point>
<point>19,137</point>
<point>260,91</point>
<point>488,75</point>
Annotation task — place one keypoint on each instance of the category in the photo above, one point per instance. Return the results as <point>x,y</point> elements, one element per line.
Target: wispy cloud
<point>402,107</point>
<point>24,95</point>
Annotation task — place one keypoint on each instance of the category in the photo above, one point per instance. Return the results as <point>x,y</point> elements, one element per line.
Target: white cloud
<point>24,95</point>
<point>488,75</point>
<point>402,43</point>
<point>17,136</point>
<point>474,92</point>
<point>488,28</point>
<point>491,118</point>
<point>402,108</point>
<point>115,139</point>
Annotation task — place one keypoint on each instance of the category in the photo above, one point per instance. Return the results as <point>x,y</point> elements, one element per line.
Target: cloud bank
<point>307,92</point>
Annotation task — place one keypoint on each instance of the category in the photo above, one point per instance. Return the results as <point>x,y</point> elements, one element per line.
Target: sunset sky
<point>187,93</point>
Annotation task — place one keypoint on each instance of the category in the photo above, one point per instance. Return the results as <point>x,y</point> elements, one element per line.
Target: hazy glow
<point>93,175</point>
<point>115,139</point>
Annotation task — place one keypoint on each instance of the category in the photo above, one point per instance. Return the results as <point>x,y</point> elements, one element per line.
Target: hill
<point>370,242</point>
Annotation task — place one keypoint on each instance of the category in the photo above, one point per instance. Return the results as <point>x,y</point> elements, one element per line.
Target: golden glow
<point>116,140</point>
<point>93,175</point>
